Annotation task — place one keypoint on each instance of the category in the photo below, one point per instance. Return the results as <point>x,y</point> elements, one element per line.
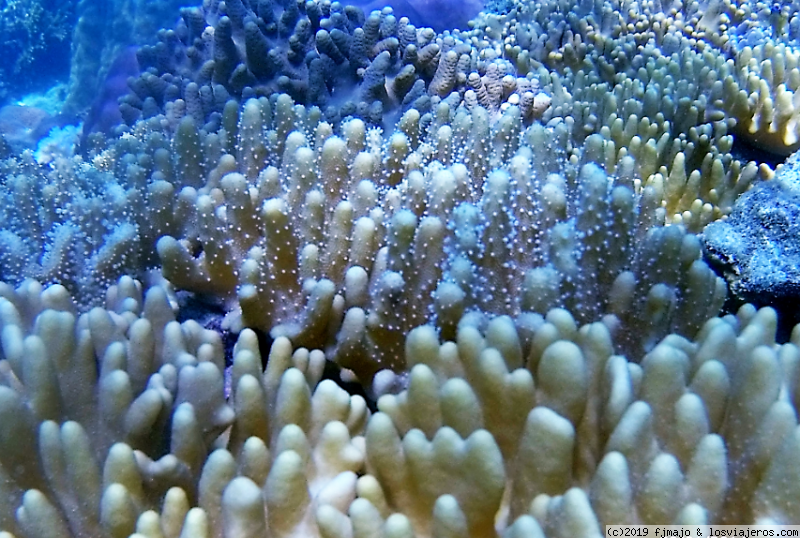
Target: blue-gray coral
<point>101,32</point>
<point>72,225</point>
<point>321,54</point>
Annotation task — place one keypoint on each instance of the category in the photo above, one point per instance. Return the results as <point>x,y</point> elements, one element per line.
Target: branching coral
<point>441,220</point>
<point>767,107</point>
<point>747,58</point>
<point>654,84</point>
<point>578,437</point>
<point>319,53</point>
<point>126,411</point>
<point>306,229</point>
<point>491,231</point>
<point>762,41</point>
<point>75,224</point>
<point>634,76</point>
<point>100,36</point>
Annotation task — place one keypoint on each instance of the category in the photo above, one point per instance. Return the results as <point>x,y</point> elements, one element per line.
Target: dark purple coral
<point>321,54</point>
<point>440,15</point>
<point>105,113</point>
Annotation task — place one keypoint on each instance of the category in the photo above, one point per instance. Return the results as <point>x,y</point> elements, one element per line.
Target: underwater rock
<point>23,126</point>
<point>757,248</point>
<point>104,113</point>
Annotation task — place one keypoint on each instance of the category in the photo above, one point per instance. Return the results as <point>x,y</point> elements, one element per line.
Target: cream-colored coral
<point>117,421</point>
<point>496,269</point>
<point>659,85</point>
<point>765,106</point>
<point>512,429</point>
<point>575,437</point>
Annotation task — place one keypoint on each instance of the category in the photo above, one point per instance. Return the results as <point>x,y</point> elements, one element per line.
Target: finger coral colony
<point>494,233</point>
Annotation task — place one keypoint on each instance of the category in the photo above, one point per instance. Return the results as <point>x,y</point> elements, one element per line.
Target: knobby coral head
<point>440,15</point>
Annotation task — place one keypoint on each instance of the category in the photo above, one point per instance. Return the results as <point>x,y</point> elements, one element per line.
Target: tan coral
<point>127,413</point>
<point>513,428</point>
<point>766,106</point>
<point>584,437</point>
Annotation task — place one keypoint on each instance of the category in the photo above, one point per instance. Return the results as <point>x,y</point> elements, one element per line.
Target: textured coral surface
<point>517,426</point>
<point>488,236</point>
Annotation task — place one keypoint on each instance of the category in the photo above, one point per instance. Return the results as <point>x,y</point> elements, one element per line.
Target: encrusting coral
<point>543,432</point>
<point>755,248</point>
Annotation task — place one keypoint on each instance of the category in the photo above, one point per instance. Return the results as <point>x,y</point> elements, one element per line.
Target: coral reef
<point>148,427</point>
<point>492,231</point>
<point>102,32</point>
<point>762,41</point>
<point>525,431</point>
<point>76,224</point>
<point>35,35</point>
<point>321,54</point>
<point>288,224</point>
<point>424,227</point>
